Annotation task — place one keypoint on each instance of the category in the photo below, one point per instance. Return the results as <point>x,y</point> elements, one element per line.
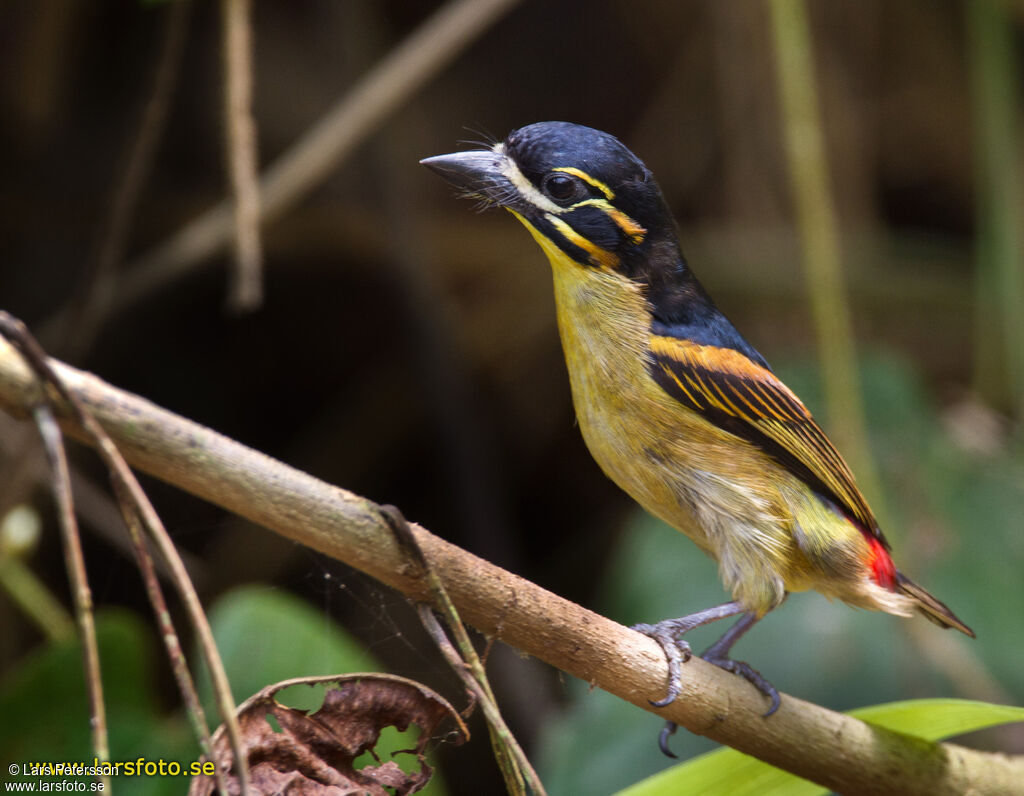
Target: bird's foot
<point>677,652</point>
<point>669,634</point>
<point>748,673</point>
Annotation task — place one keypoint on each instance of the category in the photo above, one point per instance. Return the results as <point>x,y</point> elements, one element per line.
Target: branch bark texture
<point>837,751</point>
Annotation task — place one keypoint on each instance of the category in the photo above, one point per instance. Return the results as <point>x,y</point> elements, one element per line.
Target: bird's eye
<point>562,187</point>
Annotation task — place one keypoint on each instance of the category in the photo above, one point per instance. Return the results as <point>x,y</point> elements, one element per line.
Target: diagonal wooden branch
<point>839,752</point>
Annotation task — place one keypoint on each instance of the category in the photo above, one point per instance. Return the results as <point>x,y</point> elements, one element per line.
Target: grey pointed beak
<point>477,172</point>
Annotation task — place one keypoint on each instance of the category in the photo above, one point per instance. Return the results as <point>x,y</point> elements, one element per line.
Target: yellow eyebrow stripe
<point>598,256</point>
<point>608,192</point>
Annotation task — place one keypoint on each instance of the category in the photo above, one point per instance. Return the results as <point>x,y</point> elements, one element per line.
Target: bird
<point>674,404</point>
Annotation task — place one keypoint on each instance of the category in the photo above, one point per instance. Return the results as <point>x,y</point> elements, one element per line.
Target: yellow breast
<point>723,493</point>
<point>768,530</point>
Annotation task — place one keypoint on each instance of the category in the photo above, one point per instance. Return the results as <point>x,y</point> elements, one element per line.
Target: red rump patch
<point>881,564</point>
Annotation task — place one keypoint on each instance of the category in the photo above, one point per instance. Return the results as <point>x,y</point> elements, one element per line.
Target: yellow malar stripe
<point>631,228</point>
<point>598,256</point>
<point>608,193</point>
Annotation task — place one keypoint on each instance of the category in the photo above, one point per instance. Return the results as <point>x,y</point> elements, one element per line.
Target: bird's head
<point>577,189</point>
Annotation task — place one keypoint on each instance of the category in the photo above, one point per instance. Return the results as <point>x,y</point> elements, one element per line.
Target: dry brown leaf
<point>315,753</point>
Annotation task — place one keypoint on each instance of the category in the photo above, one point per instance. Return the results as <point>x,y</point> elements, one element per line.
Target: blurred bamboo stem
<point>819,237</point>
<point>836,751</point>
<point>246,289</point>
<point>999,169</point>
<point>20,583</point>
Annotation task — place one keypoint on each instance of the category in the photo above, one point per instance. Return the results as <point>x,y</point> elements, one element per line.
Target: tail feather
<point>932,609</point>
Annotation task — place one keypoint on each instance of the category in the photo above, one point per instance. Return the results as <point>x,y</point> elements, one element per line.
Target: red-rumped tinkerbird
<point>675,405</point>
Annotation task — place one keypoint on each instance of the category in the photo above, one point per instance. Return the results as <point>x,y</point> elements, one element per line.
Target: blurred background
<point>405,348</point>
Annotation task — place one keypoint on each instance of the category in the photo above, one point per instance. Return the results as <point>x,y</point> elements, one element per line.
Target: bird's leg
<point>668,634</point>
<point>718,654</point>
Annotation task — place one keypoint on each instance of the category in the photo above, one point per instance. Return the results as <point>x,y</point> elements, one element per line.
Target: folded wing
<point>748,400</point>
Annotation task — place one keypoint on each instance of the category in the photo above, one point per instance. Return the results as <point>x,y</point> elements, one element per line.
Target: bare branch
<point>836,751</point>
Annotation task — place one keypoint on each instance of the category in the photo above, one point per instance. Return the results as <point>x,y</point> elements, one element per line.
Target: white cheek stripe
<point>526,189</point>
<point>530,193</point>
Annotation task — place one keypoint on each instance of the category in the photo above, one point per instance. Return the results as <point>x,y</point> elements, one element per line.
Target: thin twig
<point>53,443</point>
<point>514,764</point>
<point>93,299</point>
<point>355,116</point>
<point>506,749</point>
<point>175,654</point>
<point>246,288</point>
<point>836,751</point>
<point>123,479</point>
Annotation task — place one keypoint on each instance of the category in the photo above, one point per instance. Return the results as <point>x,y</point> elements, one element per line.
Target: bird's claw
<point>677,652</point>
<point>667,732</point>
<point>669,634</point>
<point>751,675</point>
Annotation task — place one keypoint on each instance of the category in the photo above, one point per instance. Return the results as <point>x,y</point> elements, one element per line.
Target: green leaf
<point>46,713</point>
<point>265,636</point>
<point>732,772</point>
<point>935,719</point>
